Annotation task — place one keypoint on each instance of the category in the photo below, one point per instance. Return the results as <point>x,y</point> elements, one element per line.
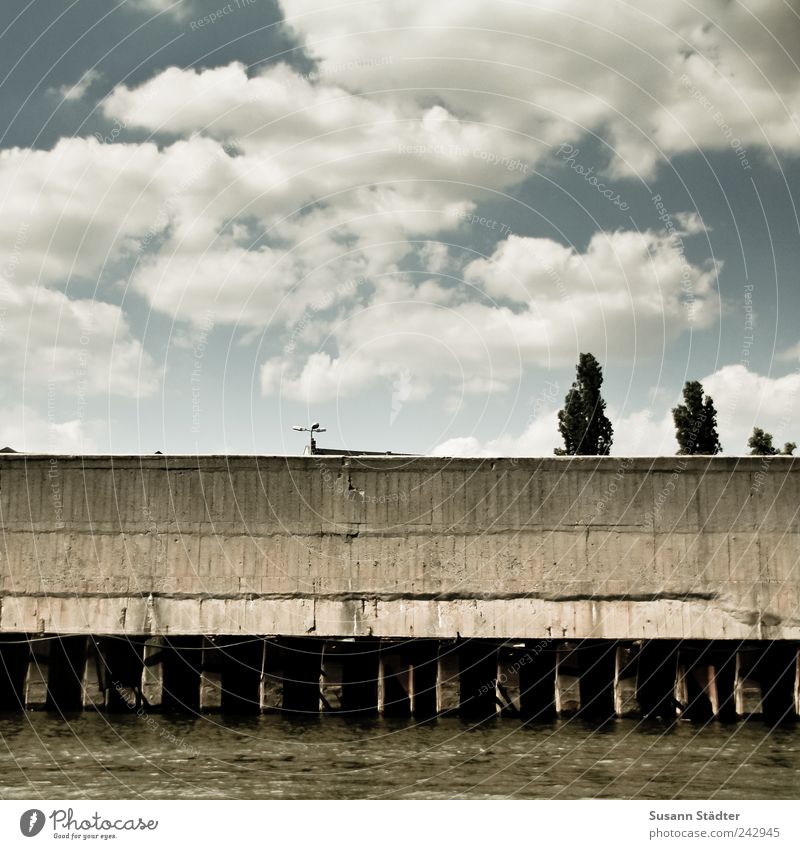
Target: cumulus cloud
<point>84,345</point>
<point>534,302</point>
<point>555,70</point>
<point>745,399</point>
<point>77,90</point>
<point>283,186</point>
<point>177,8</point>
<point>25,429</point>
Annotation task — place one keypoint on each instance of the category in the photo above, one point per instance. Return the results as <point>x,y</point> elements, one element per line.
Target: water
<point>90,756</point>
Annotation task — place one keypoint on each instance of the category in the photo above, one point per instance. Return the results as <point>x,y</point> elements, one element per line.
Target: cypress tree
<point>582,422</point>
<point>696,422</point>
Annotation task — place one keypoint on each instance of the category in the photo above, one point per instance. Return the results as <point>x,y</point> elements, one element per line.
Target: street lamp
<point>315,428</point>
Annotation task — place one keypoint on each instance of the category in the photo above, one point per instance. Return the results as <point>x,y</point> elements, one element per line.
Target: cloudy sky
<point>402,219</point>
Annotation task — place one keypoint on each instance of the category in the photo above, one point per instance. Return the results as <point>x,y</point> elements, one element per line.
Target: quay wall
<point>563,548</point>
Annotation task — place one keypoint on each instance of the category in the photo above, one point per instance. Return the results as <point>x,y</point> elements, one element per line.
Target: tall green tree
<point>582,422</point>
<point>696,421</point>
<point>760,443</point>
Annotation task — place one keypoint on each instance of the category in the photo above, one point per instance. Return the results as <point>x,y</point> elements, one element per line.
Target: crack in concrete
<point>376,596</point>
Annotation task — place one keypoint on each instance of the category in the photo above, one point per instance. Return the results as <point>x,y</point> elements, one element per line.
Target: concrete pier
<point>524,589</point>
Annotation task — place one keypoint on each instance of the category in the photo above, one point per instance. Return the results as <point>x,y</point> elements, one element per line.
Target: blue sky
<point>402,220</point>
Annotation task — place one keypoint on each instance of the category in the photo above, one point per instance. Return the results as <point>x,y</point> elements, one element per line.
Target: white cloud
<point>77,90</point>
<point>640,433</point>
<point>790,354</point>
<point>745,400</point>
<point>24,429</point>
<point>179,9</point>
<point>625,297</point>
<point>82,345</point>
<point>656,79</point>
<point>68,211</point>
<point>690,224</point>
<point>343,174</point>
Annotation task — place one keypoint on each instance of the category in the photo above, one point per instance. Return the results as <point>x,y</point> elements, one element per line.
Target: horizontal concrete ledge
<point>525,618</point>
<point>215,462</point>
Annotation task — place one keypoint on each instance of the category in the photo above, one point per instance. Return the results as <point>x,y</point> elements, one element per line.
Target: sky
<point>403,220</point>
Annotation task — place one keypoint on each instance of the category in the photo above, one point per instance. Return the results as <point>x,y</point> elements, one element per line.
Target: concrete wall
<point>560,547</point>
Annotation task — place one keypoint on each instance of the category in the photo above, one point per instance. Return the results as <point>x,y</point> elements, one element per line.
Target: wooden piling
<point>241,660</point>
<point>182,657</point>
<point>153,673</point>
<point>478,679</point>
<point>302,670</point>
<point>448,685</point>
<point>360,662</point>
<point>65,674</point>
<point>330,681</point>
<point>14,652</point>
<point>625,667</point>
<point>537,681</point>
<point>597,663</point>
<point>423,655</point>
<point>656,678</point>
<point>567,687</point>
<point>776,670</point>
<point>37,673</point>
<point>210,676</point>
<point>395,682</point>
<point>93,689</point>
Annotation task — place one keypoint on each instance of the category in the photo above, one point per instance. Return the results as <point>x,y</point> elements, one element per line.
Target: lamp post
<point>315,428</point>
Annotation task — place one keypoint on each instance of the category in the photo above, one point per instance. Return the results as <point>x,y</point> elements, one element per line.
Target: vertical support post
<point>37,674</point>
<point>330,679</point>
<point>656,678</point>
<point>182,661</point>
<point>625,701</point>
<point>747,689</point>
<point>270,690</point>
<point>65,678</point>
<point>153,673</point>
<point>448,689</point>
<point>302,669</point>
<point>567,680</point>
<point>424,659</point>
<point>507,692</point>
<point>360,677</point>
<point>14,653</point>
<point>395,683</point>
<point>537,682</point>
<point>725,682</point>
<point>597,659</point>
<point>776,669</point>
<point>210,676</point>
<point>478,679</point>
<point>681,689</point>
<point>93,685</point>
<point>241,661</point>
<point>122,659</point>
<point>696,689</point>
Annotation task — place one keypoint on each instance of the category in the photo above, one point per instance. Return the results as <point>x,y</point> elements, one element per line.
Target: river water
<point>90,756</point>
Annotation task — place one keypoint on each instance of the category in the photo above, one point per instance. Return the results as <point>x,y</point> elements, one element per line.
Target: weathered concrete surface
<point>703,548</point>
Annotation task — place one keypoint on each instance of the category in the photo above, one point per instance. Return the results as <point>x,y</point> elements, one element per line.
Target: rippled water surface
<point>91,756</point>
